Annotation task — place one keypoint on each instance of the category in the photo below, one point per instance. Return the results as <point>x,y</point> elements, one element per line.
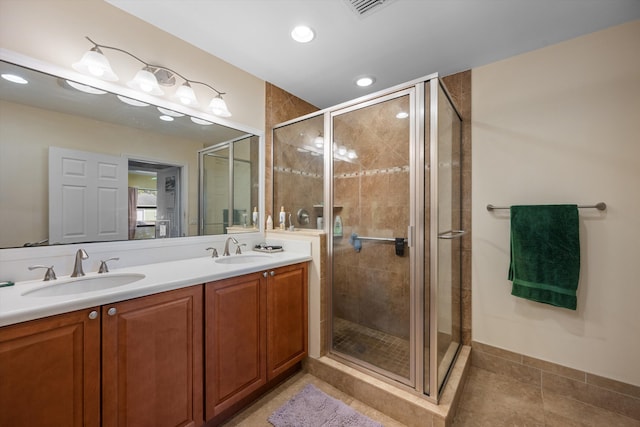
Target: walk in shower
<point>390,203</point>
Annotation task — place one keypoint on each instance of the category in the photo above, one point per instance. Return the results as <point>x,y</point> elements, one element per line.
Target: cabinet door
<point>287,318</point>
<point>152,360</point>
<point>235,342</point>
<point>50,371</point>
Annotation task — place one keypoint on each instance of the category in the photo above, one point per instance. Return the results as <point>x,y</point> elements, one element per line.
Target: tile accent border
<point>552,378</point>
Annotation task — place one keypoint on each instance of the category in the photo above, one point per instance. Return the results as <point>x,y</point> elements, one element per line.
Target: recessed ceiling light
<point>365,81</point>
<point>302,34</point>
<point>402,115</point>
<point>166,118</point>
<point>15,79</point>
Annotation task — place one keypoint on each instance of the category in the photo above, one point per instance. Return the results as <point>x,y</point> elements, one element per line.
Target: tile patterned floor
<point>375,347</point>
<point>488,400</point>
<point>492,400</point>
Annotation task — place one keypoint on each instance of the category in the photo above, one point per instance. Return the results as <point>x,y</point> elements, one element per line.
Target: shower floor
<point>377,348</point>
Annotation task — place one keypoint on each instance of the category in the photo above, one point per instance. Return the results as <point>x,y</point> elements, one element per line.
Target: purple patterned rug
<point>313,408</point>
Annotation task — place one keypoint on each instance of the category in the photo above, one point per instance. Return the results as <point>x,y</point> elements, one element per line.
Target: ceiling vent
<point>364,8</point>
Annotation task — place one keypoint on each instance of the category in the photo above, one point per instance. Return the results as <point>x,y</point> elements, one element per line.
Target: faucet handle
<point>49,275</point>
<point>238,248</point>
<point>214,254</point>
<point>103,265</point>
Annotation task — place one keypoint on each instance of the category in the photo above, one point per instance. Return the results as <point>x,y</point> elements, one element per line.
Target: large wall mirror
<point>82,165</point>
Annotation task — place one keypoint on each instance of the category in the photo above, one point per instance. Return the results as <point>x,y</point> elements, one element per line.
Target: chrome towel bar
<point>601,206</point>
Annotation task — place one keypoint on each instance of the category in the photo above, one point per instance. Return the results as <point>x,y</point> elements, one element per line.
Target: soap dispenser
<point>283,218</point>
<point>269,223</point>
<point>337,226</point>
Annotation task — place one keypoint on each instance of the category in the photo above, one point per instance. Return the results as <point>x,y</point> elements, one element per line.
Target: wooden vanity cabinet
<point>151,372</point>
<point>287,307</point>
<point>255,329</point>
<point>50,371</point>
<point>152,360</point>
<point>235,341</point>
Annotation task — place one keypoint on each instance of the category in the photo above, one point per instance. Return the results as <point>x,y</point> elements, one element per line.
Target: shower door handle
<point>452,234</point>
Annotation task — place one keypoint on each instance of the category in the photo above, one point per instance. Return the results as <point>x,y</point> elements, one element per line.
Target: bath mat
<point>313,408</point>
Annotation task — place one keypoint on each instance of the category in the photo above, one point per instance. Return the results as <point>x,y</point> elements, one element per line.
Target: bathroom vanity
<point>154,349</point>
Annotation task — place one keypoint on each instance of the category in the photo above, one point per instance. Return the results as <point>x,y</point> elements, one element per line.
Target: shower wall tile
<point>280,106</point>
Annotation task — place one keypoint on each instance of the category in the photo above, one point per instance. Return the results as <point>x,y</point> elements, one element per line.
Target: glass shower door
<point>448,223</point>
<point>371,275</point>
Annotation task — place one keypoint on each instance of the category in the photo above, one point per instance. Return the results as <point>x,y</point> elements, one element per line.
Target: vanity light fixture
<point>200,121</point>
<point>149,78</point>
<point>166,118</point>
<point>402,115</point>
<point>318,141</point>
<point>132,101</point>
<point>302,34</point>
<point>168,112</point>
<point>85,88</point>
<point>14,79</point>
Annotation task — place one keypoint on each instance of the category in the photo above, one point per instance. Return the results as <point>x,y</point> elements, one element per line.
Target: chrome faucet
<point>226,245</point>
<point>77,267</point>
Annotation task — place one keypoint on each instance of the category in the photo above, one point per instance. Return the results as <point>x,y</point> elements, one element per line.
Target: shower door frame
<point>434,102</point>
<point>424,128</point>
<point>416,246</point>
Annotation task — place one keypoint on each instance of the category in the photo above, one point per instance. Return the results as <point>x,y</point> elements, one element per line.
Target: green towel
<point>545,254</point>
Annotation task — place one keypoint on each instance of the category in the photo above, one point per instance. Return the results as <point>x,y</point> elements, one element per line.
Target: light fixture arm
<point>157,67</point>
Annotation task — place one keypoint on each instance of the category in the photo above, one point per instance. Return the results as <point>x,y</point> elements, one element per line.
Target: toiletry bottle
<point>283,218</point>
<point>291,227</point>
<point>269,223</point>
<point>337,226</point>
<point>255,217</point>
<point>320,223</point>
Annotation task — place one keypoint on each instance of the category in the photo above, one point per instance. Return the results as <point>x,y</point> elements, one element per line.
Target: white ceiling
<point>400,41</point>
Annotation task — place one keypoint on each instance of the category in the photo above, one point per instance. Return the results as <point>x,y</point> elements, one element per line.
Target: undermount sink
<point>81,285</point>
<point>242,259</point>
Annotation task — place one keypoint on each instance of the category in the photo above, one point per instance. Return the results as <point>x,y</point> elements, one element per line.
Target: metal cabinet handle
<point>112,311</point>
<point>93,315</point>
<point>452,234</point>
<point>264,274</point>
<point>273,273</point>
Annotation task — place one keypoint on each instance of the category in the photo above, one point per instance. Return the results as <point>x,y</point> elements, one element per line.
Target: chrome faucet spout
<point>226,245</point>
<point>77,266</point>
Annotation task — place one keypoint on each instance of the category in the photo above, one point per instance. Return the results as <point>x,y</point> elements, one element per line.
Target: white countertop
<point>16,307</point>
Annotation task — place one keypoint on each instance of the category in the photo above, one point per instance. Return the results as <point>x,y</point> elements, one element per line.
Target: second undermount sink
<point>81,285</point>
<point>242,259</point>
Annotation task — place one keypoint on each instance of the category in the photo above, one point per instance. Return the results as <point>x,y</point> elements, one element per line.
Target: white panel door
<point>87,196</point>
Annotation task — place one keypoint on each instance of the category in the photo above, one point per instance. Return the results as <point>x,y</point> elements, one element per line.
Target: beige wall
<point>561,125</point>
<point>54,31</point>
